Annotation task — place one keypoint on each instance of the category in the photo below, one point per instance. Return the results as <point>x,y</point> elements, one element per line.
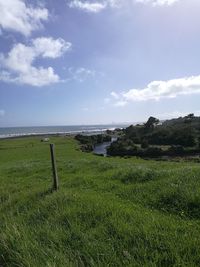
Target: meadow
<point>107,211</point>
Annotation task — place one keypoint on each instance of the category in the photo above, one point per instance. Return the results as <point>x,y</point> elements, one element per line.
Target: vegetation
<point>107,212</point>
<point>89,141</point>
<point>174,137</point>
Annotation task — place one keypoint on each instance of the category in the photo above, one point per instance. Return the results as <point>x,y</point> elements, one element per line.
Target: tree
<point>190,116</point>
<point>151,123</point>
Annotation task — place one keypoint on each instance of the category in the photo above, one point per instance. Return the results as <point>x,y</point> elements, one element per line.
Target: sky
<point>76,62</point>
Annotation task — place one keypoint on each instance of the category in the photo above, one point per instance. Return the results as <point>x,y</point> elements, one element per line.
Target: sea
<point>10,132</point>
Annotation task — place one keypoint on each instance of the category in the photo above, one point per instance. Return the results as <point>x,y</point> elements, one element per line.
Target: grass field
<point>107,212</point>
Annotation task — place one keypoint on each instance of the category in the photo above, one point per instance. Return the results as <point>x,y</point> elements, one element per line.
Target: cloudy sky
<point>72,62</point>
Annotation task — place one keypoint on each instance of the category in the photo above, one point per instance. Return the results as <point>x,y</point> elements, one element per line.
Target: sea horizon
<point>16,131</point>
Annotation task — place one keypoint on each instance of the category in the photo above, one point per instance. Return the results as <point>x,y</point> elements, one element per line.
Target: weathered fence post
<point>54,169</point>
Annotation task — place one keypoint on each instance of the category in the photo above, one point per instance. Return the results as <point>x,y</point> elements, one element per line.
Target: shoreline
<point>64,134</point>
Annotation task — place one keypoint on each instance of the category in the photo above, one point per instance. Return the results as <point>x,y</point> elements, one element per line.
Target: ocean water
<point>40,130</point>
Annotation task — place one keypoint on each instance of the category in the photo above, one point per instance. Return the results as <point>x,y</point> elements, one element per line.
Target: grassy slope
<point>108,211</point>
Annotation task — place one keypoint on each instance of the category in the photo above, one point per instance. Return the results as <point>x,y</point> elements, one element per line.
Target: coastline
<point>48,134</point>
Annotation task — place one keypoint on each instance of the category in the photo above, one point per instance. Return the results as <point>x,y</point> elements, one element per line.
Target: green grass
<point>107,212</point>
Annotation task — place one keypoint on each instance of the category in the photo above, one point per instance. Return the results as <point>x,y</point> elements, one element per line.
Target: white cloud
<point>120,102</point>
<point>98,6</point>
<point>81,74</point>
<point>2,112</point>
<point>88,6</point>
<point>48,47</point>
<point>94,6</point>
<point>115,95</point>
<point>158,2</point>
<point>17,16</point>
<point>18,64</point>
<point>157,90</point>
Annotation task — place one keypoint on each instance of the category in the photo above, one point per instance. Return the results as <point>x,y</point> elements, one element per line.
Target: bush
<point>122,148</point>
<point>176,150</point>
<point>152,152</point>
<point>144,144</point>
<point>87,148</point>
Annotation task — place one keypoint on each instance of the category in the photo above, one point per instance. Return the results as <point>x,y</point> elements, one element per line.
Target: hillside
<point>175,137</point>
<point>107,212</point>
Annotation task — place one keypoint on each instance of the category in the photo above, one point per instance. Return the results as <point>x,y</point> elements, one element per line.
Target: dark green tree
<point>151,123</point>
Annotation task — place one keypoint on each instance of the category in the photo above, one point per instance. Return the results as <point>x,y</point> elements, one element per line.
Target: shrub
<point>144,144</point>
<point>176,150</point>
<point>152,152</point>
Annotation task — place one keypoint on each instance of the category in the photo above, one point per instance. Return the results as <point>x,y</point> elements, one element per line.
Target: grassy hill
<point>108,211</point>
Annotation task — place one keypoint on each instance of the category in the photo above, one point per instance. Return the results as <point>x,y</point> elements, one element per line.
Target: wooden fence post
<point>54,169</point>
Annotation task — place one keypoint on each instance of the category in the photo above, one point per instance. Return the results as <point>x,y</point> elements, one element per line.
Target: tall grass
<point>108,211</point>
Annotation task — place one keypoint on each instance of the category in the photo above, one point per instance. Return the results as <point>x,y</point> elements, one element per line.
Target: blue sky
<point>73,62</point>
